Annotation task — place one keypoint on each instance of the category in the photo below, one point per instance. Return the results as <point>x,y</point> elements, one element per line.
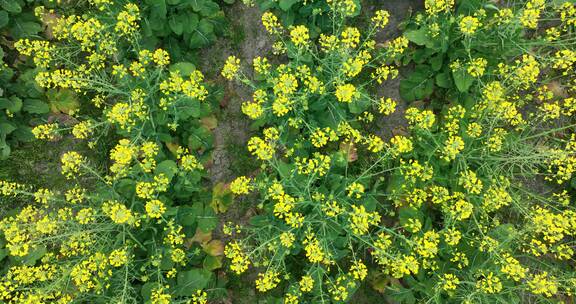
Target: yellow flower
<point>512,268</point>
<point>118,257</point>
<point>420,119</point>
<point>260,148</point>
<point>452,147</point>
<point>469,25</point>
<point>380,18</point>
<point>241,185</point>
<point>360,220</point>
<point>489,283</point>
<point>270,22</point>
<point>231,67</point>
<point>161,57</point>
<point>346,93</point>
<point>239,260</point>
<point>299,35</point>
<point>267,280</point>
<point>199,297</point>
<point>477,67</point>
<point>118,213</point>
<point>43,196</point>
<point>71,162</point>
<point>126,21</point>
<point>155,208</point>
<point>401,144</point>
<point>358,270</point>
<point>46,131</point>
<point>355,190</point>
<point>449,282</point>
<point>82,130</point>
<point>350,37</point>
<point>314,252</point>
<point>470,182</point>
<point>306,283</point>
<point>434,7</point>
<point>287,239</point>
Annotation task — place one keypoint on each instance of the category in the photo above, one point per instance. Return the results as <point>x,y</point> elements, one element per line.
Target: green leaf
<point>176,23</point>
<point>419,36</point>
<point>4,19</point>
<point>35,106</point>
<point>63,100</point>
<point>184,68</point>
<point>208,221</point>
<point>443,80</point>
<point>12,104</point>
<point>4,149</point>
<point>6,128</point>
<point>25,29</point>
<point>359,105</point>
<point>12,6</point>
<point>419,85</point>
<point>462,79</point>
<point>200,138</point>
<point>195,279</point>
<point>147,289</point>
<point>192,23</point>
<point>285,5</point>
<point>209,8</point>
<point>168,168</point>
<point>212,263</point>
<point>187,215</point>
<point>222,198</point>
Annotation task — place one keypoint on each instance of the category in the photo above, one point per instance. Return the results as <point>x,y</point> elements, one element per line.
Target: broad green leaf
<point>6,128</point>
<point>419,85</point>
<point>208,221</point>
<point>444,80</point>
<point>462,79</point>
<point>35,106</point>
<point>4,19</point>
<point>209,8</point>
<point>4,149</point>
<point>12,6</point>
<point>187,215</point>
<point>12,104</point>
<point>176,23</point>
<point>212,263</point>
<point>419,36</point>
<point>63,100</point>
<point>195,279</point>
<point>221,198</point>
<point>184,68</point>
<point>359,105</point>
<point>25,29</point>
<point>214,248</point>
<point>285,5</point>
<point>167,167</point>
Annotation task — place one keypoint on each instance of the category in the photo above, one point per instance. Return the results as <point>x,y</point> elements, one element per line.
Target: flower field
<point>287,151</point>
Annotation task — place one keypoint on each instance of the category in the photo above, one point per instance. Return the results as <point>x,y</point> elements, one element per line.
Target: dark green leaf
<point>462,79</point>
<point>285,5</point>
<point>11,6</point>
<point>35,106</point>
<point>191,280</point>
<point>419,36</point>
<point>4,19</point>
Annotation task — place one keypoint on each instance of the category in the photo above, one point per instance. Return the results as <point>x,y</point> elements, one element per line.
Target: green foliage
<point>182,26</point>
<point>20,98</point>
